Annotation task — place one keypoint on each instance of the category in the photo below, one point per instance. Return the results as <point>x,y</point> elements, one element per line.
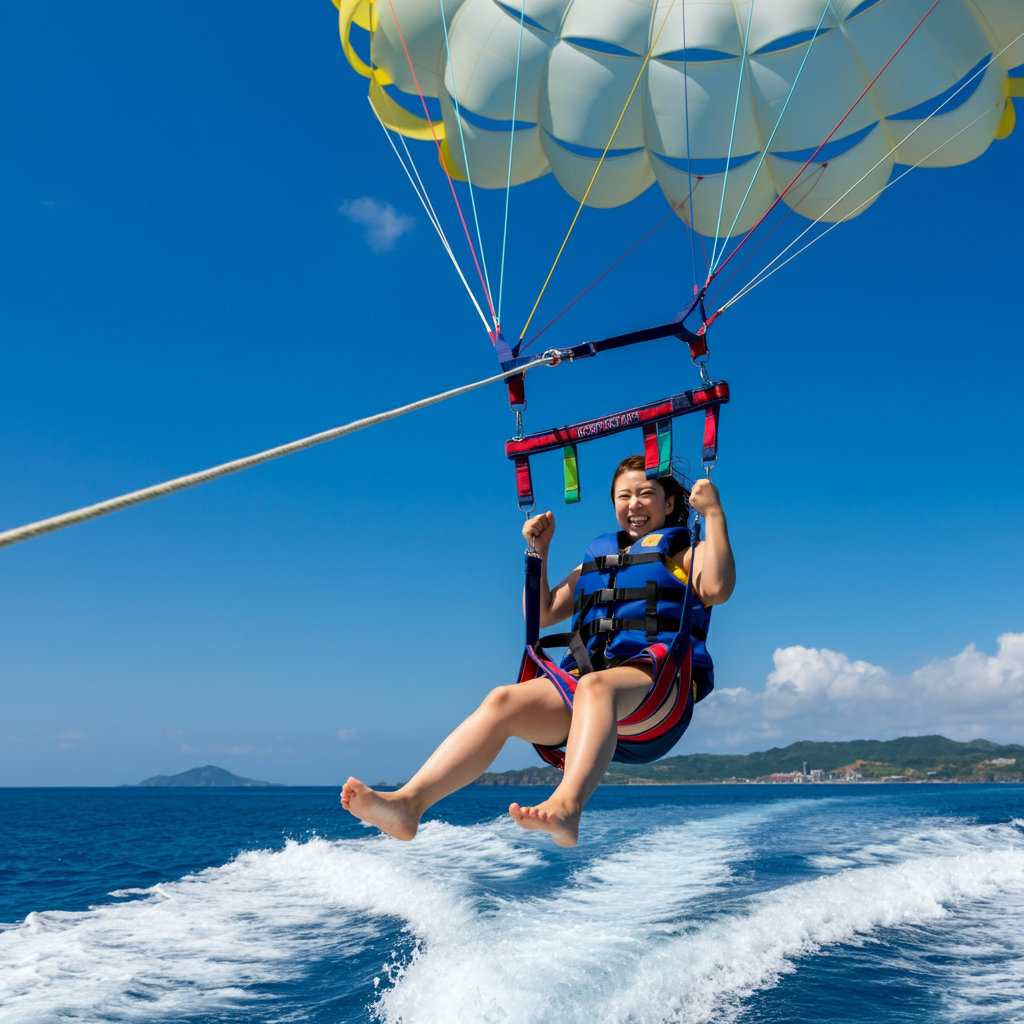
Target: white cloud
<point>822,695</point>
<point>68,738</point>
<point>384,223</point>
<point>346,734</point>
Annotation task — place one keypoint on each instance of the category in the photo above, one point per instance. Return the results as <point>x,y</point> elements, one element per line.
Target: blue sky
<point>180,286</point>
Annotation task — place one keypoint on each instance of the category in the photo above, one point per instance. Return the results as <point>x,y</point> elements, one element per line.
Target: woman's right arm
<point>555,603</point>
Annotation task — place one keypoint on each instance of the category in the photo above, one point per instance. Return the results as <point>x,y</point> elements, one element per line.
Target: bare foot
<point>550,816</point>
<point>390,812</point>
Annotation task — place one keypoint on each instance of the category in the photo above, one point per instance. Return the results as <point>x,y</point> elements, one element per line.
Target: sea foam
<point>657,919</point>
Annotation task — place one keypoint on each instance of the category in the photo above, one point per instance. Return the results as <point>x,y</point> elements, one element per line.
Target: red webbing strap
<point>651,456</point>
<point>516,392</point>
<point>682,404</point>
<point>709,456</point>
<point>658,449</point>
<point>524,482</point>
<point>698,345</point>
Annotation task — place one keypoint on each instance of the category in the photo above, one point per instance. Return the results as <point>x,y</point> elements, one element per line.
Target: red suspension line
<point>753,252</point>
<point>778,199</point>
<point>598,279</point>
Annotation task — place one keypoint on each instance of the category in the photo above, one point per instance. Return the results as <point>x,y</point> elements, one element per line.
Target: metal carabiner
<point>702,366</point>
<point>530,547</point>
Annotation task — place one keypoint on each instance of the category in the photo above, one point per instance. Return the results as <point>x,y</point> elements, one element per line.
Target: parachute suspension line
<point>437,142</point>
<point>767,145</point>
<point>732,135</point>
<point>511,145</point>
<point>794,208</point>
<point>810,159</point>
<point>600,163</point>
<point>182,483</point>
<point>765,273</point>
<point>424,199</point>
<point>600,278</point>
<point>426,195</point>
<point>758,277</point>
<point>465,158</point>
<point>689,175</point>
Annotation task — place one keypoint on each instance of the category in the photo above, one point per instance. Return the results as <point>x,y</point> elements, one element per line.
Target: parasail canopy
<point>721,89</point>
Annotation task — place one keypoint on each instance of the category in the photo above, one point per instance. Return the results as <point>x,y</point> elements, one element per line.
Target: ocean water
<point>824,904</point>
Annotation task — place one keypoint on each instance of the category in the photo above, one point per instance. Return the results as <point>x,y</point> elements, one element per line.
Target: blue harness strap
<point>697,342</point>
<point>531,597</point>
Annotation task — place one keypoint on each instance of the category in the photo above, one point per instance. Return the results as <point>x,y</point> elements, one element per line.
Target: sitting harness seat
<point>630,605</point>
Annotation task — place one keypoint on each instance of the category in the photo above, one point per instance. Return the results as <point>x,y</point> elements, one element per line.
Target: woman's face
<point>640,504</point>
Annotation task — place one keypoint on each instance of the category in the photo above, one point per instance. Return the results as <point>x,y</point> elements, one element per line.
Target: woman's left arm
<point>714,569</point>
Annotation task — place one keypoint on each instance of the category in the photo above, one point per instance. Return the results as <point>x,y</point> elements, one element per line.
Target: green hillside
<point>916,757</point>
<point>211,775</point>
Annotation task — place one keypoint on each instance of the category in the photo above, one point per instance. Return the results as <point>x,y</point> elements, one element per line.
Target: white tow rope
<point>181,483</point>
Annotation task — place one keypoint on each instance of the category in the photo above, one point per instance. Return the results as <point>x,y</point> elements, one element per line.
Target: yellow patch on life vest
<point>651,540</point>
<point>676,569</point>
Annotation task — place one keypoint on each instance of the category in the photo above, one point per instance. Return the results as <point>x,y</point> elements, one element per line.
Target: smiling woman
<point>636,662</point>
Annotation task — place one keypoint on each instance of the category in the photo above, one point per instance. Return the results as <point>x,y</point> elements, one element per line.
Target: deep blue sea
<point>873,904</point>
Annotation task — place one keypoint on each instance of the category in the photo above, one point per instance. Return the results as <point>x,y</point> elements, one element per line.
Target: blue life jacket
<point>627,601</point>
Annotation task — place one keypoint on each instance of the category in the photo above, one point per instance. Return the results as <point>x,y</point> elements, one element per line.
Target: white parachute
<point>714,85</point>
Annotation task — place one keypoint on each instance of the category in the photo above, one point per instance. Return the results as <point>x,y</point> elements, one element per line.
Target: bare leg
<point>602,698</point>
<point>532,711</point>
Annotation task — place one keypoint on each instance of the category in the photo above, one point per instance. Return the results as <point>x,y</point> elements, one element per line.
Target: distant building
<point>1001,760</point>
<point>785,777</point>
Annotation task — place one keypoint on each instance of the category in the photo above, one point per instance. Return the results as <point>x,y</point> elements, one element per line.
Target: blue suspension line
<point>732,134</point>
<point>511,144</point>
<point>689,176</point>
<point>768,144</point>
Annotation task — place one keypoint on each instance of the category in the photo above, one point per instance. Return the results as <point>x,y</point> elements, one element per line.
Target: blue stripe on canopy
<point>704,167</point>
<point>490,124</point>
<point>513,13</point>
<point>929,107</point>
<point>696,55</point>
<point>599,46</point>
<point>589,151</point>
<point>831,150</point>
<point>793,39</point>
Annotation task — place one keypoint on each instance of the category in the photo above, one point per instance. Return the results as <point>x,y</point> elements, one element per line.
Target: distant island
<point>908,759</point>
<point>211,775</point>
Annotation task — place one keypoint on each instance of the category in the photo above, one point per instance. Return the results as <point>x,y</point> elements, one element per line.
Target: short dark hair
<point>672,487</point>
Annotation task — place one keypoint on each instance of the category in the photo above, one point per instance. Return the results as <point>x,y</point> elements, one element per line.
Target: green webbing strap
<point>664,447</point>
<point>571,471</point>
